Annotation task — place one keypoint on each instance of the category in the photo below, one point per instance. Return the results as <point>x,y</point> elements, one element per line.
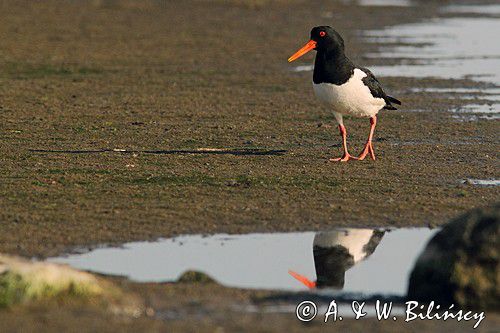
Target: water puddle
<point>473,9</point>
<point>482,182</point>
<point>473,112</point>
<point>303,68</point>
<point>376,3</point>
<point>450,48</point>
<point>446,47</point>
<point>492,94</point>
<point>341,261</point>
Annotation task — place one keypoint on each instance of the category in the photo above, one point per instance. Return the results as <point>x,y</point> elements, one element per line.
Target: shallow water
<point>450,48</point>
<point>389,3</point>
<point>446,47</point>
<point>360,261</point>
<point>492,94</point>
<point>476,9</point>
<point>482,182</point>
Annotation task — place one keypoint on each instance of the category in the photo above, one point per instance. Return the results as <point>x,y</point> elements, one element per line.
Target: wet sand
<point>158,78</point>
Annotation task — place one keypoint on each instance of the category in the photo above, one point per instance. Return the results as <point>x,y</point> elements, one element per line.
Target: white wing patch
<point>350,98</point>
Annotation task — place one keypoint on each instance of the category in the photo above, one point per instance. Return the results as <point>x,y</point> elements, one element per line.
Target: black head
<point>323,39</point>
<point>331,265</point>
<point>327,39</point>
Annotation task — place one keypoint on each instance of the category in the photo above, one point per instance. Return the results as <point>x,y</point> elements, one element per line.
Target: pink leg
<point>346,157</point>
<point>369,146</point>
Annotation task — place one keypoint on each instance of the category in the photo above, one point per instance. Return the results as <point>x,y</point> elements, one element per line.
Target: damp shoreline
<point>162,87</point>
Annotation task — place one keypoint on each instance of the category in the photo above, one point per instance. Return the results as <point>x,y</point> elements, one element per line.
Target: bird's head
<point>323,38</point>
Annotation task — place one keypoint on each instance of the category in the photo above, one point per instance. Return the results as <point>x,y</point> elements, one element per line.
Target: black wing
<point>376,89</point>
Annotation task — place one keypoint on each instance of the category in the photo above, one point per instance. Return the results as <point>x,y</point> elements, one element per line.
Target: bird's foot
<point>346,157</point>
<point>367,150</point>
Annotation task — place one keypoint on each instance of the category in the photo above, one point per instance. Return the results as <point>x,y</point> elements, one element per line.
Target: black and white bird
<point>343,87</point>
<point>335,252</point>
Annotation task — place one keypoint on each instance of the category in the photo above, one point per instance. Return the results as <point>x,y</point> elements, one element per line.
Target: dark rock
<point>460,265</point>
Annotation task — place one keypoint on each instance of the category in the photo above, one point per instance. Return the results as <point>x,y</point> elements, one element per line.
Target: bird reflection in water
<point>337,251</point>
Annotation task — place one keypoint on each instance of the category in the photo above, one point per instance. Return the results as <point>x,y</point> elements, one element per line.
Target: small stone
<point>150,312</point>
<point>195,277</point>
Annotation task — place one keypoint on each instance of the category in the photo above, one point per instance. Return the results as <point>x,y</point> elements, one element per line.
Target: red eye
<point>322,34</point>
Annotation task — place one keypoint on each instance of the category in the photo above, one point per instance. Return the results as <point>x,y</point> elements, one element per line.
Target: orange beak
<point>306,48</point>
<point>302,279</point>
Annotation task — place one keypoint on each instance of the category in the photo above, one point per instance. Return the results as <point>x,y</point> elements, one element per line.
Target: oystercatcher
<point>337,251</point>
<point>344,87</point>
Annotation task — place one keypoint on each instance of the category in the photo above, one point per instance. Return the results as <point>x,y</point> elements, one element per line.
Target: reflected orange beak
<point>306,48</point>
<point>302,279</point>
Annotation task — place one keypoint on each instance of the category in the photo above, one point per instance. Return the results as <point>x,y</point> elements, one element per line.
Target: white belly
<point>354,240</point>
<point>350,98</point>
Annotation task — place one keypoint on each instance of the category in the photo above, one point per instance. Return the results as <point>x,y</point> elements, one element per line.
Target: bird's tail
<point>394,100</point>
<point>388,102</point>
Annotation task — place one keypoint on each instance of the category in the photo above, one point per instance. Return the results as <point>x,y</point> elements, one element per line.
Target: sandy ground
<point>79,79</point>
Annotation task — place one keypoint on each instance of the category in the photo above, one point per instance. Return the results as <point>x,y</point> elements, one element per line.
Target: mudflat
<point>125,121</point>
